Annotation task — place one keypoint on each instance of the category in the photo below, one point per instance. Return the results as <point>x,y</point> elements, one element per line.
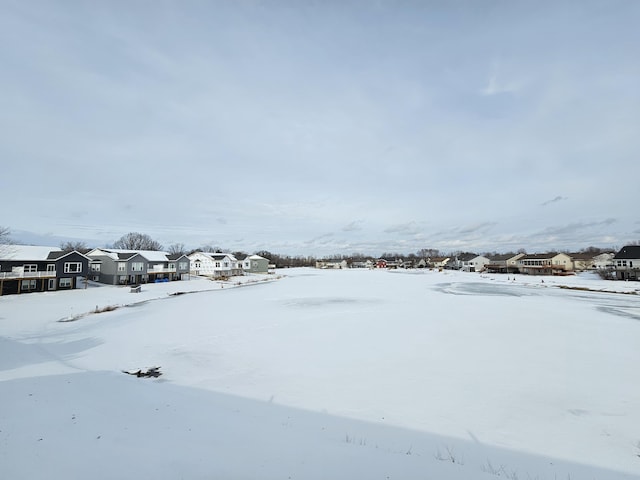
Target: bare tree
<point>210,249</point>
<point>4,240</point>
<point>137,241</point>
<point>176,249</point>
<point>428,252</point>
<point>77,246</point>
<point>4,235</point>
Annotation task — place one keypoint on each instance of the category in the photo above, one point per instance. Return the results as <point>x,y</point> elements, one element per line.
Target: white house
<point>214,264</point>
<point>336,264</point>
<point>627,263</point>
<point>470,262</point>
<point>603,261</point>
<point>475,264</point>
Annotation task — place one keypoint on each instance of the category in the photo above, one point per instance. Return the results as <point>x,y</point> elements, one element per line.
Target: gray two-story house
<point>133,267</point>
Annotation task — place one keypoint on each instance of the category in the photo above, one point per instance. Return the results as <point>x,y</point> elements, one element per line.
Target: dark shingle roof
<point>502,257</point>
<point>126,255</point>
<point>539,255</point>
<point>628,252</point>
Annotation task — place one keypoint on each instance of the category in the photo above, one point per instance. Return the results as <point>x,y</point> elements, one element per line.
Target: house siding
<point>26,275</point>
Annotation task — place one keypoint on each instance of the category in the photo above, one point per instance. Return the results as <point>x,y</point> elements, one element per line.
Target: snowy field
<point>325,375</point>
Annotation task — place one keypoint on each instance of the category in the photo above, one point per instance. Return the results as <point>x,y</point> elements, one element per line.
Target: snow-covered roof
<point>215,256</point>
<point>115,253</point>
<point>26,252</point>
<point>257,257</point>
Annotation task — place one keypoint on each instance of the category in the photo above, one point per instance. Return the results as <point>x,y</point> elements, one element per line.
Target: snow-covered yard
<point>325,374</point>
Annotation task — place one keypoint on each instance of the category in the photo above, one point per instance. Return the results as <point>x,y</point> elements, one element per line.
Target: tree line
<point>142,241</point>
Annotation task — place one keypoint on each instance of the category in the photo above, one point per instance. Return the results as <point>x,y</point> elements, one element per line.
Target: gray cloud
<point>409,228</point>
<point>353,226</point>
<point>576,227</point>
<point>169,120</point>
<point>554,200</point>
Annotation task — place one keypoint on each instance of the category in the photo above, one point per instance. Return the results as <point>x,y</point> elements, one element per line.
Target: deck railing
<point>12,275</point>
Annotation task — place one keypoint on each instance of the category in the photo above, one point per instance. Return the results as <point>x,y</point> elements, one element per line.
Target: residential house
<point>26,269</point>
<point>363,264</point>
<point>505,263</point>
<point>332,264</point>
<point>551,263</point>
<point>134,267</point>
<point>627,263</point>
<point>440,262</point>
<point>588,261</point>
<point>603,261</point>
<point>471,262</point>
<point>215,265</point>
<point>254,264</point>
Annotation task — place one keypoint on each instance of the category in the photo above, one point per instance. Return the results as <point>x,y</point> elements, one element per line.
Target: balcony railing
<point>12,275</point>
<point>161,270</point>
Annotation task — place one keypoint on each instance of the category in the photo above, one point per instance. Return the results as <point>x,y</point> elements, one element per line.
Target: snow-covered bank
<point>327,374</point>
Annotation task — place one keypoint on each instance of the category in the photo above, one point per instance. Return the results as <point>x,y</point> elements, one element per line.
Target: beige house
<point>505,263</point>
<point>552,263</point>
<point>439,262</point>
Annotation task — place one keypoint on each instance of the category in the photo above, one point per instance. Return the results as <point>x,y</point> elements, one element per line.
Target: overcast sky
<point>312,127</point>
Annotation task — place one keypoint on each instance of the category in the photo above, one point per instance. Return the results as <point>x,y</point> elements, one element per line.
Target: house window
<point>183,265</point>
<point>52,284</point>
<point>72,267</point>
<point>65,282</point>
<point>30,268</point>
<point>172,266</point>
<point>217,264</point>
<point>226,264</point>
<point>95,267</point>
<point>28,285</point>
<point>122,267</point>
<point>197,265</point>
<point>137,266</point>
<point>51,267</point>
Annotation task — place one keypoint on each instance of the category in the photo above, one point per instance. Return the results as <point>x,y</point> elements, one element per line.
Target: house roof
<point>582,256</point>
<point>61,254</point>
<point>215,256</point>
<point>539,255</point>
<point>439,259</point>
<point>628,252</point>
<point>175,256</point>
<point>465,257</point>
<point>504,257</point>
<point>126,255</point>
<point>122,254</point>
<point>26,252</point>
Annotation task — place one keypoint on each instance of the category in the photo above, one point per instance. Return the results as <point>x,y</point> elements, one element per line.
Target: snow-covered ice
<point>325,374</point>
